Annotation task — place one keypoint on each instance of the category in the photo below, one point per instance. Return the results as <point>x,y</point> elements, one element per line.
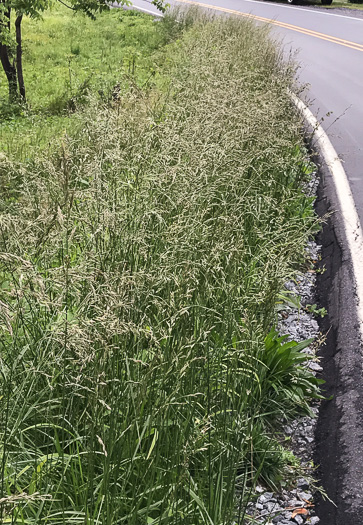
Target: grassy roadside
<point>346,5</point>
<point>141,264</point>
<point>66,57</point>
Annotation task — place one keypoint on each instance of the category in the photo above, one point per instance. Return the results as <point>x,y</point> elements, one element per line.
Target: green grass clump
<point>140,267</point>
<point>347,4</point>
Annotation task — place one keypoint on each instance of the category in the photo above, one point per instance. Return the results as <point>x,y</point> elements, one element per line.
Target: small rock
<point>272,506</point>
<point>259,506</point>
<point>314,325</point>
<point>299,520</point>
<point>296,503</point>
<point>302,484</point>
<point>314,366</point>
<point>306,496</point>
<point>314,520</point>
<point>277,520</point>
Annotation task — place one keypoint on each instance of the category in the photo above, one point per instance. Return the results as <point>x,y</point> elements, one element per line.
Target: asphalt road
<point>330,52</point>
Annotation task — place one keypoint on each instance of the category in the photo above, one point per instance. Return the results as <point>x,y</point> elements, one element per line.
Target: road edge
<point>346,205</point>
<point>339,434</point>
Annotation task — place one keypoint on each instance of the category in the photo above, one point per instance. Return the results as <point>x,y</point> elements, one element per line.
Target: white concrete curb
<point>347,209</point>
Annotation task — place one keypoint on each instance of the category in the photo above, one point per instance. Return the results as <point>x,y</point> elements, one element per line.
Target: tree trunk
<point>10,72</point>
<point>19,56</point>
<point>7,63</point>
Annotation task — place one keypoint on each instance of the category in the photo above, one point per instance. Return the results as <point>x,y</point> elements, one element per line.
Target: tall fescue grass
<point>142,381</point>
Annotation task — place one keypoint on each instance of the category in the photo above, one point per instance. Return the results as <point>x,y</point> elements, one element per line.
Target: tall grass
<point>142,382</point>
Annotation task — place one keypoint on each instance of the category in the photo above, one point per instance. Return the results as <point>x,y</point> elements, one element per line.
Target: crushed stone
<point>300,324</point>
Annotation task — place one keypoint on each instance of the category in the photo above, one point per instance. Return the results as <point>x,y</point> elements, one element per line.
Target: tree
<point>11,48</point>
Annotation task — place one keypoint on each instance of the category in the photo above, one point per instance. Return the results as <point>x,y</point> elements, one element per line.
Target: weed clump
<point>140,268</point>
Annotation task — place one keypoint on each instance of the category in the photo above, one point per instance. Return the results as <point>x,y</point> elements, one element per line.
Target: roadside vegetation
<point>347,4</point>
<point>357,4</point>
<point>147,227</point>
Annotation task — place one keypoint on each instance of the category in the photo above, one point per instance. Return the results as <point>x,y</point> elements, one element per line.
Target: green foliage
<point>35,8</point>
<point>288,385</point>
<point>161,5</point>
<point>141,263</point>
<point>318,312</point>
<point>286,297</point>
<point>32,8</point>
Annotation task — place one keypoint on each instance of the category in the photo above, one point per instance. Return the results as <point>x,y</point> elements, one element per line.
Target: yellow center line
<point>309,32</point>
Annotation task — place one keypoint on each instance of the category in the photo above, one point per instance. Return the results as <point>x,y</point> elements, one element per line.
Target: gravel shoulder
<point>295,506</point>
<point>334,440</point>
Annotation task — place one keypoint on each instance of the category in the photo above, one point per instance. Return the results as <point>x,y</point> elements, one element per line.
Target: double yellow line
<point>309,32</point>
